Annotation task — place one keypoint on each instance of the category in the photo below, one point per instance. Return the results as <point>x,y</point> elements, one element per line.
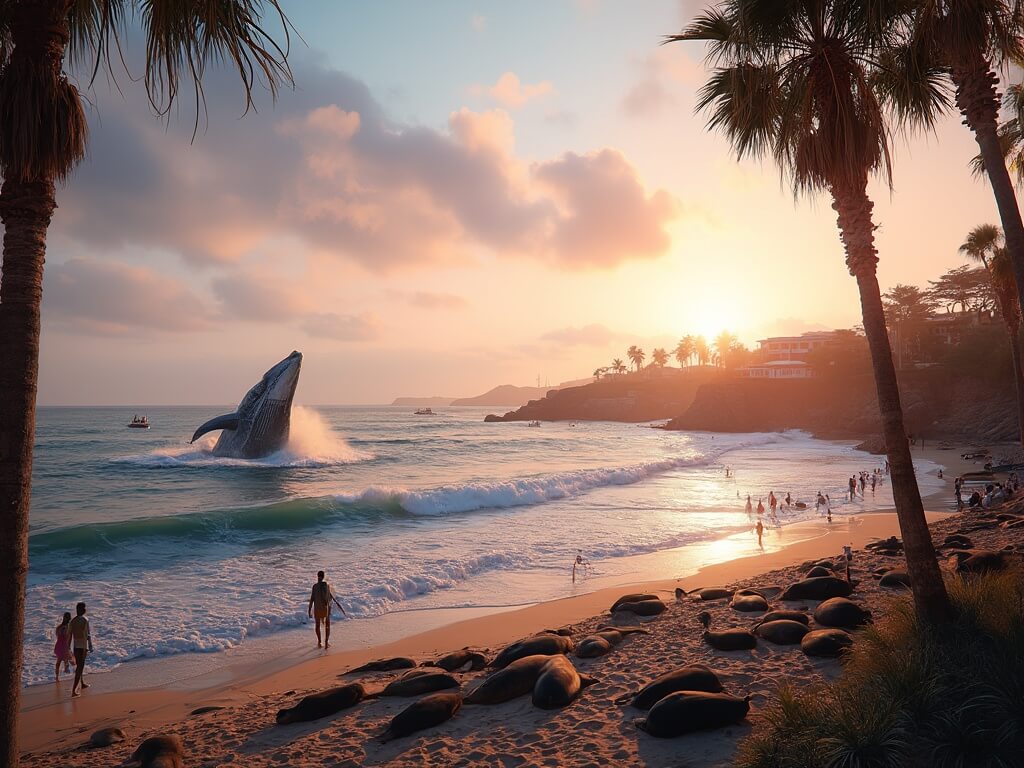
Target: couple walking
<point>74,642</point>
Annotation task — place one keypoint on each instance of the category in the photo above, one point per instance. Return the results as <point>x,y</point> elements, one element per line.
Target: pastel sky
<point>455,195</point>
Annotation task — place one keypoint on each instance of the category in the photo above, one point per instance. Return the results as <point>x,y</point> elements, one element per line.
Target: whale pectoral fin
<point>227,421</point>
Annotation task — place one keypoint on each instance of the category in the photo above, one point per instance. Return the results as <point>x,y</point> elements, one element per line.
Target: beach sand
<point>591,731</point>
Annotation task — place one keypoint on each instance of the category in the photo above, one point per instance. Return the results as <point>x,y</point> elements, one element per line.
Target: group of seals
<point>554,681</point>
<point>543,644</point>
<point>640,604</point>
<point>323,704</point>
<point>694,677</point>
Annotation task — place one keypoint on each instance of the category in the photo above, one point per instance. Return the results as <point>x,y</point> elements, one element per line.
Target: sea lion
<point>460,659</point>
<point>419,682</point>
<point>104,737</point>
<point>897,579</point>
<point>840,612</point>
<point>159,752</point>
<point>818,588</point>
<point>385,665</point>
<point>323,704</point>
<point>979,560</point>
<point>891,543</point>
<point>826,643</point>
<point>818,571</point>
<point>644,607</point>
<point>622,630</point>
<point>726,640</point>
<point>958,541</point>
<point>695,677</point>
<point>688,711</point>
<point>766,592</point>
<point>562,631</point>
<point>558,684</point>
<point>635,597</point>
<point>592,646</point>
<point>782,631</point>
<point>748,603</point>
<point>426,713</point>
<point>516,679</point>
<point>545,645</point>
<point>715,593</point>
<point>800,616</point>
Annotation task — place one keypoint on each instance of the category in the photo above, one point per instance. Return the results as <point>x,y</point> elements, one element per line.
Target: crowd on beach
<point>995,493</point>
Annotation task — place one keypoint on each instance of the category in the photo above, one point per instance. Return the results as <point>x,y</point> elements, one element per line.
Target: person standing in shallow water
<point>62,646</point>
<point>760,533</point>
<point>319,608</point>
<point>81,644</point>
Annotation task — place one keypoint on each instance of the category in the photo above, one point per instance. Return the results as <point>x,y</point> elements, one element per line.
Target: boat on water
<point>139,422</point>
<point>425,412</point>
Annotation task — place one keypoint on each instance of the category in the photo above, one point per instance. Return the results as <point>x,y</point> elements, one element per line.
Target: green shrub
<point>912,696</point>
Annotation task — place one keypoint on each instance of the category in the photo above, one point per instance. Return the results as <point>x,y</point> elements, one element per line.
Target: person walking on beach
<point>319,608</point>
<point>580,562</point>
<point>81,644</point>
<point>62,646</point>
<point>760,507</point>
<point>789,499</point>
<point>958,485</point>
<point>749,507</point>
<point>853,488</point>
<point>760,533</point>
<point>772,502</point>
<point>874,481</point>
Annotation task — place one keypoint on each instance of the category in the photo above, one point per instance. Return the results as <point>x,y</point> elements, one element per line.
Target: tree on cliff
<point>967,287</point>
<point>42,137</point>
<point>659,357</point>
<point>636,356</point>
<point>907,309</point>
<point>793,81</point>
<point>684,351</point>
<point>984,244</point>
<point>618,366</point>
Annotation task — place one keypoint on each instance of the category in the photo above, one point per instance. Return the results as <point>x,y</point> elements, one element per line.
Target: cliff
<point>505,395</point>
<point>629,398</point>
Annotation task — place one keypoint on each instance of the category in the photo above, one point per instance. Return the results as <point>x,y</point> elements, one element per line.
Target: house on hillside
<point>949,327</point>
<point>786,357</point>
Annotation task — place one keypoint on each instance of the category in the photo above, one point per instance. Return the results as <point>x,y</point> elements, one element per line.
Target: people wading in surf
<point>320,608</point>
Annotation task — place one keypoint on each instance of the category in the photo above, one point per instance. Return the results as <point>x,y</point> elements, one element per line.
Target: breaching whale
<point>260,425</point>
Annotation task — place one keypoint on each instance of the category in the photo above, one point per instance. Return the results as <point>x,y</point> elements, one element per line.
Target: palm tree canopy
<point>981,242</point>
<point>962,32</point>
<point>804,81</point>
<point>43,130</point>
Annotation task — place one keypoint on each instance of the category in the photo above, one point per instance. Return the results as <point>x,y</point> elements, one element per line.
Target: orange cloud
<point>510,91</point>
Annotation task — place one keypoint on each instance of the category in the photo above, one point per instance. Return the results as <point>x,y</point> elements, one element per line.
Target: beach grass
<point>911,694</point>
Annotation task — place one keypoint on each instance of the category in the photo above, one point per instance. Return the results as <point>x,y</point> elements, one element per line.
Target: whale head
<point>261,424</point>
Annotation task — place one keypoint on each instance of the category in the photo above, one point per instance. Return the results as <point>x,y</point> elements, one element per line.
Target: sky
<point>453,196</point>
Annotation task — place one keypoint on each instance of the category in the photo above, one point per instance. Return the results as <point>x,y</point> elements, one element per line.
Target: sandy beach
<point>592,731</point>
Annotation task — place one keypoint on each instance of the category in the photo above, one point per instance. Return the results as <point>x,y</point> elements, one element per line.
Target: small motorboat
<point>424,412</point>
<point>139,422</point>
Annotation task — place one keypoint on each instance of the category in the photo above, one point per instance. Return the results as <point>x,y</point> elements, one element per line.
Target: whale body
<point>260,425</point>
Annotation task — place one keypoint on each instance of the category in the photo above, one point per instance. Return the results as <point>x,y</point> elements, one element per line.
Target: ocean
<point>176,551</point>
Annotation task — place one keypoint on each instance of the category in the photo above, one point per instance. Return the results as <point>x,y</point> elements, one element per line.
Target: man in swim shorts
<point>320,608</point>
<point>81,644</point>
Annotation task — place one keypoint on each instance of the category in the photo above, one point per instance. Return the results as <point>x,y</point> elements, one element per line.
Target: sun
<point>710,315</point>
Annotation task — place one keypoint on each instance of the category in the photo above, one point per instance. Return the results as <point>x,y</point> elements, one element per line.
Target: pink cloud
<point>510,91</point>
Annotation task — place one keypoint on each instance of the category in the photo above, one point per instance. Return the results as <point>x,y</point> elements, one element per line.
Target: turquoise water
<point>177,551</point>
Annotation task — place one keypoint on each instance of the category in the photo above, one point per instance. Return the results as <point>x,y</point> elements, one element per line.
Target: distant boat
<point>424,412</point>
<point>139,422</point>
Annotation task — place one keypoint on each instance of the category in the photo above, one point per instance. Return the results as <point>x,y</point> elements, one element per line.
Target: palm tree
<point>983,244</point>
<point>659,357</point>
<point>701,350</point>
<point>42,137</point>
<point>684,350</point>
<point>723,345</point>
<point>618,366</point>
<point>794,81</point>
<point>636,356</point>
<point>971,40</point>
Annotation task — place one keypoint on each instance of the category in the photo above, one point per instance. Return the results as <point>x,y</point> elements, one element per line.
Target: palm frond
<point>912,85</point>
<point>743,102</point>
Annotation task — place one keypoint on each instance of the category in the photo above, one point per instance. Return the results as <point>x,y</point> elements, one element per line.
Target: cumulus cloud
<point>593,335</point>
<point>112,298</point>
<point>327,169</point>
<point>341,327</point>
<point>510,91</point>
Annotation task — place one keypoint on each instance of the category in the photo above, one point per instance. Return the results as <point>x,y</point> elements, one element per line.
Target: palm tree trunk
<point>857,233</point>
<point>979,104</point>
<point>25,208</point>
<point>1018,378</point>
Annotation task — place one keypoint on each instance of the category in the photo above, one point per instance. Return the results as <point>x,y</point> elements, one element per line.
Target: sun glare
<point>709,316</point>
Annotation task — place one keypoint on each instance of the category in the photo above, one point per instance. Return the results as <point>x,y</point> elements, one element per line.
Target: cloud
<point>112,298</point>
<point>661,75</point>
<point>341,327</point>
<point>510,92</point>
<point>427,300</point>
<point>328,171</point>
<point>593,335</point>
<point>261,298</point>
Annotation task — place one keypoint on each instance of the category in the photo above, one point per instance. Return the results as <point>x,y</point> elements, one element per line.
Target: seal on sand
<point>159,752</point>
<point>426,713</point>
<point>546,645</point>
<point>419,682</point>
<point>695,677</point>
<point>104,737</point>
<point>460,659</point>
<point>634,597</point>
<point>516,679</point>
<point>323,704</point>
<point>800,616</point>
<point>841,612</point>
<point>650,607</point>
<point>782,631</point>
<point>714,593</point>
<point>726,640</point>
<point>689,711</point>
<point>818,588</point>
<point>818,570</point>
<point>748,603</point>
<point>558,684</point>
<point>895,579</point>
<point>826,643</point>
<point>385,665</point>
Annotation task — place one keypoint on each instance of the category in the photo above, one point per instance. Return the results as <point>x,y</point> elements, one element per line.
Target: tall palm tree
<point>794,81</point>
<point>618,366</point>
<point>723,345</point>
<point>684,350</point>
<point>972,40</point>
<point>42,137</point>
<point>659,357</point>
<point>636,356</point>
<point>701,350</point>
<point>984,244</point>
